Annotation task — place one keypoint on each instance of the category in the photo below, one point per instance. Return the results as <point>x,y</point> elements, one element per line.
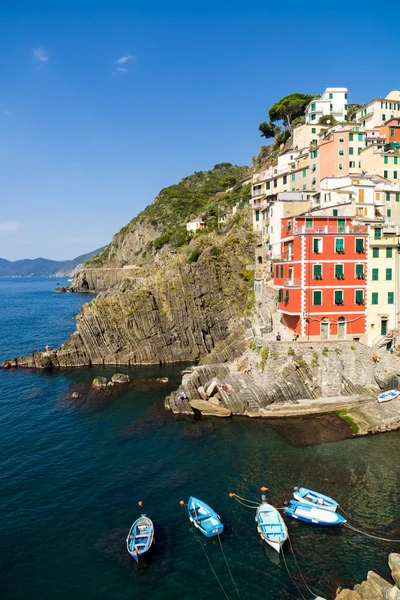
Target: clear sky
<point>103,103</point>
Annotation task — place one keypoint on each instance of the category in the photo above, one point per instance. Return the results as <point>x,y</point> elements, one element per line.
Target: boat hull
<point>140,538</point>
<point>204,518</point>
<point>271,526</point>
<point>306,496</point>
<point>389,395</point>
<point>313,514</point>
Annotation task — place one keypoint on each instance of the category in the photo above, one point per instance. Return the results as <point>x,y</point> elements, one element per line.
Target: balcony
<point>285,257</point>
<point>292,283</point>
<point>300,230</point>
<point>257,193</point>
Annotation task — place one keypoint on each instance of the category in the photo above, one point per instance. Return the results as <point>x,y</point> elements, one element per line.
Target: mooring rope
<point>298,568</point>
<point>236,496</point>
<point>375,537</point>
<point>291,577</point>
<point>343,511</point>
<point>206,555</point>
<point>227,566</point>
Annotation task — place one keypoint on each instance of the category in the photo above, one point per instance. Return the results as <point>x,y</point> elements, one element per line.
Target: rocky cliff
<point>376,587</point>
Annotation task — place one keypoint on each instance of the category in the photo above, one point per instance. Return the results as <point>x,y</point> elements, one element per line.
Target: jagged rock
<point>110,384</point>
<point>378,583</point>
<point>214,401</point>
<point>367,591</point>
<point>162,379</point>
<point>206,408</point>
<point>202,392</point>
<point>120,378</point>
<point>212,388</point>
<point>60,290</point>
<point>348,595</point>
<point>99,383</point>
<point>391,594</point>
<point>75,395</point>
<point>394,565</point>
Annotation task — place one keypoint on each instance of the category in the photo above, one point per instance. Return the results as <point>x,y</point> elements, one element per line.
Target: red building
<point>321,277</point>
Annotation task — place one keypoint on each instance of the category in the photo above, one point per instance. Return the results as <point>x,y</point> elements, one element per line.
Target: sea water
<point>72,473</point>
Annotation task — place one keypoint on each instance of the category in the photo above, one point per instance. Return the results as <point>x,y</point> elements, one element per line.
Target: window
<point>293,176</point>
<point>313,106</point>
<point>313,117</point>
<point>341,140</point>
<point>360,245</point>
<point>394,174</point>
<point>359,151</point>
<point>268,185</point>
<point>338,296</point>
<point>339,271</point>
<point>397,197</point>
<point>309,223</point>
<point>314,167</point>
<point>390,298</point>
<point>341,152</point>
<point>345,96</point>
<point>395,160</point>
<point>304,187</point>
<point>388,274</point>
<point>391,132</point>
<point>304,172</point>
<point>257,215</point>
<point>280,295</point>
<point>335,212</point>
<point>351,150</point>
<point>340,166</point>
<point>289,225</point>
<point>385,160</point>
<point>286,298</point>
<point>313,130</point>
<point>352,164</point>
<point>317,245</point>
<point>359,296</point>
<point>375,274</point>
<point>331,107</point>
<point>359,271</point>
<point>351,136</point>
<point>313,181</point>
<point>375,252</point>
<point>317,271</point>
<point>374,298</point>
<point>377,234</point>
<point>330,96</point>
<point>388,212</point>
<point>284,179</point>
<point>361,195</point>
<point>317,298</point>
<point>339,245</point>
<point>360,137</point>
<point>282,270</point>
<point>385,174</point>
<point>277,271</point>
<point>378,195</point>
<point>383,117</point>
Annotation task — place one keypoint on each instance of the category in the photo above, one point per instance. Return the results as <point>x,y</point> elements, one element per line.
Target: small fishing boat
<point>204,517</point>
<point>306,496</point>
<point>271,526</point>
<point>140,537</point>
<point>313,514</point>
<point>389,395</point>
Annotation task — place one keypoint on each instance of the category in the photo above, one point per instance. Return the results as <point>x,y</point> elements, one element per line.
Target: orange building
<point>338,154</point>
<point>320,277</point>
<point>391,131</point>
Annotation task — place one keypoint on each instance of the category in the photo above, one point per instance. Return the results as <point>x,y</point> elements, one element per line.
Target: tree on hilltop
<point>268,130</point>
<point>327,120</point>
<point>289,108</point>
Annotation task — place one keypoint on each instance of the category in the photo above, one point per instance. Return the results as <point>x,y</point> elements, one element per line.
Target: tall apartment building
<point>332,102</point>
<point>378,111</point>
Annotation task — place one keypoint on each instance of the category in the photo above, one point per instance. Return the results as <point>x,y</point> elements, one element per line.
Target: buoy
<point>231,495</point>
<point>264,489</point>
<point>182,503</point>
<point>140,503</point>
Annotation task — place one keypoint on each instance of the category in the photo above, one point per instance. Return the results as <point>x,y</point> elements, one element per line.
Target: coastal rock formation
<point>120,378</point>
<point>375,587</point>
<point>100,383</point>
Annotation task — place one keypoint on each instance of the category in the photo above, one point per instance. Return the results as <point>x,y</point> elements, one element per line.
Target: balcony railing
<point>298,230</point>
<point>286,256</point>
<point>256,193</point>
<point>293,282</point>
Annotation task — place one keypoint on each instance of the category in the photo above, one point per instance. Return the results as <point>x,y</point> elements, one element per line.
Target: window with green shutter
<point>341,152</point>
<point>335,212</point>
<point>281,270</point>
<point>385,174</point>
<point>340,166</point>
<point>339,245</point>
<point>338,296</point>
<point>351,150</point>
<point>385,160</point>
<point>390,297</point>
<point>351,136</point>
<point>360,271</point>
<point>395,160</point>
<point>317,271</point>
<point>317,245</point>
<point>277,271</point>
<point>383,117</point>
<point>304,172</point>
<point>280,295</point>
<point>313,117</point>
<point>377,234</point>
<point>374,298</point>
<point>286,298</point>
<point>257,215</point>
<point>391,131</point>
<point>339,272</point>
<point>360,245</point>
<point>309,223</point>
<point>360,137</point>
<point>397,197</point>
<point>388,274</point>
<point>330,96</point>
<point>359,296</point>
<point>293,176</point>
<point>387,196</point>
<point>359,150</point>
<point>313,130</point>
<point>389,212</point>
<point>317,298</point>
<point>375,274</point>
<point>389,252</point>
<point>313,106</point>
<point>375,252</point>
<point>394,174</point>
<point>284,179</point>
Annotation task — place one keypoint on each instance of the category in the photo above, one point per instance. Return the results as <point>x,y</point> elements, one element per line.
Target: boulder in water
<point>99,383</point>
<point>120,378</point>
<point>75,395</point>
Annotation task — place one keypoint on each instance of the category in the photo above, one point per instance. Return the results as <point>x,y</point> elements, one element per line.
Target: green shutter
<point>389,252</point>
<point>335,212</point>
<point>281,270</point>
<point>316,245</point>
<point>338,297</point>
<point>388,274</point>
<point>394,174</point>
<point>276,271</point>
<point>390,297</point>
<point>351,136</point>
<point>375,252</point>
<point>360,137</point>
<point>359,245</point>
<point>359,297</point>
<point>351,150</point>
<point>317,298</point>
<point>317,271</point>
<point>385,160</point>
<point>360,271</point>
<point>377,234</point>
<point>339,271</point>
<point>374,298</point>
<point>286,298</point>
<point>395,160</point>
<point>339,245</point>
<point>375,274</point>
<point>389,212</point>
<point>280,295</point>
<point>385,174</point>
<point>387,196</point>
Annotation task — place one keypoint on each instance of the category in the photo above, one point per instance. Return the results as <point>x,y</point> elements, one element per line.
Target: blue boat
<point>204,517</point>
<point>389,395</point>
<point>140,537</point>
<point>313,514</point>
<point>271,526</point>
<point>306,496</point>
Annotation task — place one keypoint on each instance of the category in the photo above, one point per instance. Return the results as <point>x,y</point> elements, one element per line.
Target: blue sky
<point>86,142</point>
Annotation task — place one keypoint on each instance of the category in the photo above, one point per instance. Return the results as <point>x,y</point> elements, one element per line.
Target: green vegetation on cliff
<point>205,193</point>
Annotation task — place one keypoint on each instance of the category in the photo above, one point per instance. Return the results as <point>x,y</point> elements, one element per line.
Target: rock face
<point>375,587</point>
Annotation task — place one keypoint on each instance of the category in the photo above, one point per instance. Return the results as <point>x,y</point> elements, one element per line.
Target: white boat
<point>271,526</point>
<point>389,395</point>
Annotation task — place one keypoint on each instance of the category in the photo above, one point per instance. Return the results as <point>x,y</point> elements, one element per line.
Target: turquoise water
<point>71,474</point>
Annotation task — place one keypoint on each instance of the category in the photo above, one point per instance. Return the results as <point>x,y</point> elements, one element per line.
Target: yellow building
<point>382,285</point>
<point>383,160</point>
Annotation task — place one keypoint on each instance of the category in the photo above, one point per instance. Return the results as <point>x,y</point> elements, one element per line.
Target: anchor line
<point>246,499</point>
<point>291,577</point>
<point>298,568</point>
<point>375,537</point>
<point>206,555</point>
<point>343,511</point>
<point>227,566</point>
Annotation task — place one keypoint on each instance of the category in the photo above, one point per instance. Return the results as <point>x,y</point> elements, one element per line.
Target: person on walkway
<point>294,337</point>
<point>278,337</point>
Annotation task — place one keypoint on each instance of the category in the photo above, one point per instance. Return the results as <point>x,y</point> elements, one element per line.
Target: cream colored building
<point>383,285</point>
<point>306,135</point>
<point>379,110</point>
<point>382,160</point>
